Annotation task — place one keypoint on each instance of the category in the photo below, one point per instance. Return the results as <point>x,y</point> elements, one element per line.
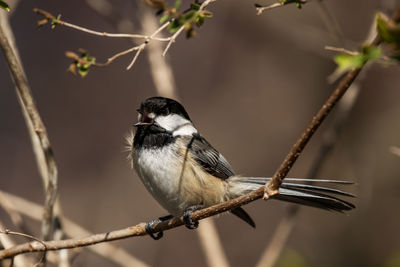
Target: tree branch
<point>272,187</point>
<point>106,250</point>
<point>260,9</point>
<point>49,18</point>
<point>40,141</point>
<point>287,223</point>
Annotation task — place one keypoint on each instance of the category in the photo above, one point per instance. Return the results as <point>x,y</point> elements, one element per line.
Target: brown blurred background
<point>251,84</point>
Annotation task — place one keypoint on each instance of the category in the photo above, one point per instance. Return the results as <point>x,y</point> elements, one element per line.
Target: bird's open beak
<point>144,121</point>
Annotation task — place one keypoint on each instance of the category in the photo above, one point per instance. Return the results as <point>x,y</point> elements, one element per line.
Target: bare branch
<point>40,141</point>
<point>271,188</point>
<point>180,30</point>
<point>8,243</point>
<point>56,21</point>
<point>341,50</point>
<point>49,18</point>
<point>286,224</point>
<point>161,70</point>
<point>260,9</point>
<point>107,250</point>
<point>173,38</point>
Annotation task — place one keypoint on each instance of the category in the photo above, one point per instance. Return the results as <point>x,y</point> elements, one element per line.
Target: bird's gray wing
<point>209,158</point>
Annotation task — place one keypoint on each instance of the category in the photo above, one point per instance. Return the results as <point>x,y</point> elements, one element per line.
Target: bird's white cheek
<point>187,129</point>
<point>176,124</point>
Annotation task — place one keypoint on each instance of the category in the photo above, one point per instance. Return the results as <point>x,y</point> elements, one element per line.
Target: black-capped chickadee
<point>184,172</point>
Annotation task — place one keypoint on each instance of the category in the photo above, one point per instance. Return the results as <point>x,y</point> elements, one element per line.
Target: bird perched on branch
<point>184,172</point>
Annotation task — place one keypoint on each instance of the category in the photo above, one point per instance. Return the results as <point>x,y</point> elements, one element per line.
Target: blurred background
<point>251,84</point>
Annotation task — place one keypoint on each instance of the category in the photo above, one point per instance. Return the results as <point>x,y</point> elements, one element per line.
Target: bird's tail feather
<point>304,194</point>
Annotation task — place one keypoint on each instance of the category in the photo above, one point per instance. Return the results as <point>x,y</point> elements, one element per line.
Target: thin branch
<point>341,50</point>
<point>180,30</point>
<point>143,46</point>
<point>173,38</point>
<point>260,9</point>
<point>40,141</point>
<point>6,242</point>
<point>286,224</point>
<point>107,250</point>
<point>138,48</point>
<point>9,232</point>
<point>48,17</point>
<point>161,70</point>
<point>56,21</point>
<point>271,188</point>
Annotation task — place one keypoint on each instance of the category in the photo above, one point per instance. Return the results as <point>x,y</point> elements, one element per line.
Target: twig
<point>8,232</point>
<point>40,141</point>
<point>161,70</point>
<point>260,9</point>
<point>173,38</point>
<point>286,224</point>
<point>139,48</point>
<point>180,30</point>
<point>272,187</point>
<point>56,21</point>
<point>341,50</point>
<point>107,250</point>
<point>6,242</point>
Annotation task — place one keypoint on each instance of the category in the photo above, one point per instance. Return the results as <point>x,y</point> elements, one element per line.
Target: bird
<point>184,172</point>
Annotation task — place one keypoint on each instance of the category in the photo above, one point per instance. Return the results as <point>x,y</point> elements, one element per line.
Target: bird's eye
<point>165,111</point>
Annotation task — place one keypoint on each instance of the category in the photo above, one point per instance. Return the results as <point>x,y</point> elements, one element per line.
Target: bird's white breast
<point>160,171</point>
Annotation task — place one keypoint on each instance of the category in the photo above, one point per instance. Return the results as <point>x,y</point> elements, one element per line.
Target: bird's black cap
<point>162,106</point>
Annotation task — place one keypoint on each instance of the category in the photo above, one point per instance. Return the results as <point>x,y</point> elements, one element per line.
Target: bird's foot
<point>150,227</point>
<point>189,223</point>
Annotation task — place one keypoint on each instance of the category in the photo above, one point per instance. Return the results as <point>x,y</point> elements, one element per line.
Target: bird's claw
<point>150,230</point>
<point>150,227</point>
<point>189,223</point>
